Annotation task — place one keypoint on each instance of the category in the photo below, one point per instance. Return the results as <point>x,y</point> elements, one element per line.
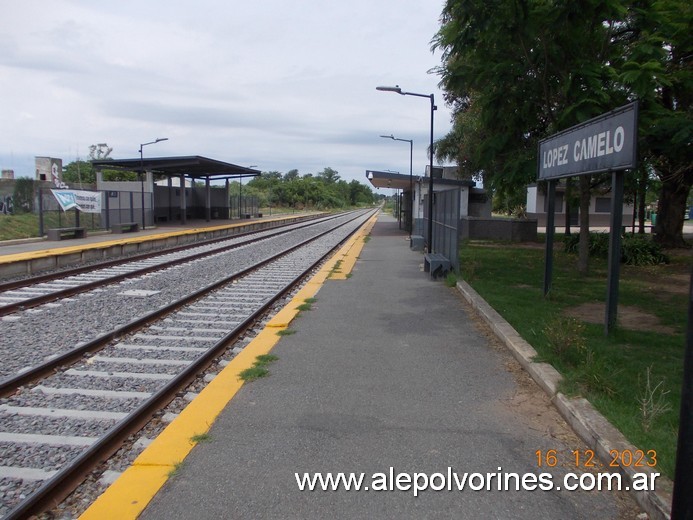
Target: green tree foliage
<point>79,172</point>
<point>321,191</point>
<point>23,195</point>
<point>517,71</point>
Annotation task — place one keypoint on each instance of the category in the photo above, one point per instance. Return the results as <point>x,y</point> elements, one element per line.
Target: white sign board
<point>86,201</point>
<point>605,143</point>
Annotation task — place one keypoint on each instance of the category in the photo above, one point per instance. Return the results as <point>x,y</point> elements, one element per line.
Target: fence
<point>446,224</point>
<point>117,207</point>
<point>246,207</point>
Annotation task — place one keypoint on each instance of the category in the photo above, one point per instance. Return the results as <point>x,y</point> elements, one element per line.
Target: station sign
<point>605,143</point>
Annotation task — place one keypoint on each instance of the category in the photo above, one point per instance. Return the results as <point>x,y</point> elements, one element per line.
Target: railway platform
<point>31,256</point>
<point>387,378</point>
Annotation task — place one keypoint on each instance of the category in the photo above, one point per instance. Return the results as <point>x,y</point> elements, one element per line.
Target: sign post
<point>605,143</point>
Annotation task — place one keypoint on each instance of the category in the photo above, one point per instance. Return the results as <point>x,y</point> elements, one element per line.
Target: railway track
<point>64,415</point>
<point>34,291</point>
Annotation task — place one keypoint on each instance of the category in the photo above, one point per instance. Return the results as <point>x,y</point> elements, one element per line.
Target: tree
<point>656,67</point>
<point>79,172</point>
<point>329,175</point>
<point>517,71</point>
<point>23,195</point>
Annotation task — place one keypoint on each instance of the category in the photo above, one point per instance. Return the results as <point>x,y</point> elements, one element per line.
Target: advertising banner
<point>86,201</point>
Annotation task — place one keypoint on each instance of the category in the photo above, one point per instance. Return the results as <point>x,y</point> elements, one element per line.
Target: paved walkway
<point>387,371</point>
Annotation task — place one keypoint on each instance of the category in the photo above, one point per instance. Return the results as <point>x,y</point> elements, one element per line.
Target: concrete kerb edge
<point>590,425</point>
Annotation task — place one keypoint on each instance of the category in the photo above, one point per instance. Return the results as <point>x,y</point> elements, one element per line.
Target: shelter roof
<point>398,181</point>
<point>193,166</point>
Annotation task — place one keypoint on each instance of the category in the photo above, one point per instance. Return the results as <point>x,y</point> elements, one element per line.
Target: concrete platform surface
<point>388,370</point>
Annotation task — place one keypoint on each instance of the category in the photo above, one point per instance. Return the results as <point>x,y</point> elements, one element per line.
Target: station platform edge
<point>127,497</point>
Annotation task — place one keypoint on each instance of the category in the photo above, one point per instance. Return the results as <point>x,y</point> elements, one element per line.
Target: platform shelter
<point>179,200</point>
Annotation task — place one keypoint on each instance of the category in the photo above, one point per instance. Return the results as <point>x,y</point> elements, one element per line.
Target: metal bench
<point>125,227</point>
<point>63,233</point>
<point>436,264</point>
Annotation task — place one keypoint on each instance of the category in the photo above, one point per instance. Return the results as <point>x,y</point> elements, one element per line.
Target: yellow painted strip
<point>129,501</point>
<point>127,497</point>
<point>66,250</point>
<point>352,250</point>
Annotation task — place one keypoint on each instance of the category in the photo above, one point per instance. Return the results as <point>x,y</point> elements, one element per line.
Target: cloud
<point>278,84</point>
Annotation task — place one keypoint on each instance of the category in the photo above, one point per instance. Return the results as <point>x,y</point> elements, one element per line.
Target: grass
<point>26,225</point>
<point>451,279</point>
<point>286,332</point>
<point>23,225</point>
<point>307,304</point>
<point>258,370</point>
<point>175,470</point>
<point>253,373</point>
<point>621,375</point>
<point>336,269</point>
<point>200,437</point>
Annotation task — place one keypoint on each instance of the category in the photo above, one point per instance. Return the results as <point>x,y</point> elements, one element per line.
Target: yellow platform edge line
<point>352,251</point>
<point>67,250</point>
<point>127,497</point>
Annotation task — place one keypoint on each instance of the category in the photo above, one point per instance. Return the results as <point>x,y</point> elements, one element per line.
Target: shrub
<point>635,249</point>
<point>640,250</point>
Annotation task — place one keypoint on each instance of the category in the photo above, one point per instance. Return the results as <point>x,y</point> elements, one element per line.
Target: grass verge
<point>634,375</point>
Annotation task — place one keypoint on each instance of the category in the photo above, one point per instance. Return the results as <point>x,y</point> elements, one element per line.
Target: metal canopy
<point>193,166</point>
<point>396,181</point>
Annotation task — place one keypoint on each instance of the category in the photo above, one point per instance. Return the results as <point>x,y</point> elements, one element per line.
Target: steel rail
<point>10,385</point>
<point>62,483</point>
<point>71,291</point>
<point>24,282</point>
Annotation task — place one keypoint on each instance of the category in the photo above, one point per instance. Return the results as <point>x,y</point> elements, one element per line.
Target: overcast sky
<point>273,83</point>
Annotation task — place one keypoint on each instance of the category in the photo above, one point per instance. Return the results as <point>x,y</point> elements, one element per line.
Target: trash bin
<point>654,219</point>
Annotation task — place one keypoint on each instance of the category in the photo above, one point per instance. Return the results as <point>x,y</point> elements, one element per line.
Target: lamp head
<point>388,136</point>
<point>390,89</point>
<point>159,139</point>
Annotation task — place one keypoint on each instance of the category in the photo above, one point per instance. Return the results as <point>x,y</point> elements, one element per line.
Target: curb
<point>590,425</point>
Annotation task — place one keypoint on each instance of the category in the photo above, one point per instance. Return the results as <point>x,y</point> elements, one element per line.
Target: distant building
<point>600,207</point>
<point>50,169</point>
<point>7,174</point>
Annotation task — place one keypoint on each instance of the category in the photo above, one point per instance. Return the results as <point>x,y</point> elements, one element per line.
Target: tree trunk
<point>642,194</point>
<point>671,210</point>
<point>584,244</point>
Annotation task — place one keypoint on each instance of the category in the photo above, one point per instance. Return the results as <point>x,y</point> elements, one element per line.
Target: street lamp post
<point>398,90</point>
<point>411,178</point>
<point>158,140</point>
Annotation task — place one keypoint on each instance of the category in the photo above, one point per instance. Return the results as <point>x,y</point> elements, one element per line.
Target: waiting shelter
<point>183,200</point>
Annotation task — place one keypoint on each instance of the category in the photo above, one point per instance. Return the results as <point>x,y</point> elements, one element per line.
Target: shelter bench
<point>125,227</point>
<point>63,233</point>
<point>436,264</point>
